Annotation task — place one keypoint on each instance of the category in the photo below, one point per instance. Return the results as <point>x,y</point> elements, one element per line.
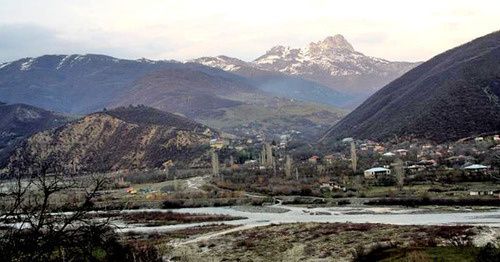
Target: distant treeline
<point>439,202</point>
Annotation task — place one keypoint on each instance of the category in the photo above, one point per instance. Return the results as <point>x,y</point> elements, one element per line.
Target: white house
<point>376,171</point>
<point>476,167</point>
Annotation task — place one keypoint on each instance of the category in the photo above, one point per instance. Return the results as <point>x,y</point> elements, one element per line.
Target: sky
<point>186,29</point>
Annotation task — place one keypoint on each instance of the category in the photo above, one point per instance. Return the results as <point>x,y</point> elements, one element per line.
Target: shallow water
<point>386,215</point>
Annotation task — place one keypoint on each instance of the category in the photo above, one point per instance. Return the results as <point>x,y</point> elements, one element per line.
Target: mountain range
<point>331,63</point>
<point>81,84</point>
<point>454,95</point>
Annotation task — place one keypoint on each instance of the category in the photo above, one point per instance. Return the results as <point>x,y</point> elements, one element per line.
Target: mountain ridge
<point>451,96</point>
<point>332,62</point>
<point>20,121</point>
<point>134,137</point>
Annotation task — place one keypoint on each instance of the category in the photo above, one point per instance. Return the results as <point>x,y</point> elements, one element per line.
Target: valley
<point>225,160</point>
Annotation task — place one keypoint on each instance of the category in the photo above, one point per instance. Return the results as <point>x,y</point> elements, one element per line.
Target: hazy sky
<point>182,29</point>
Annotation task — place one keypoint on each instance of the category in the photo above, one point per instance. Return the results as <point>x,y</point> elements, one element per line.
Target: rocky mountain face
<point>333,56</point>
<point>123,138</point>
<point>454,95</point>
<point>19,121</point>
<point>332,63</point>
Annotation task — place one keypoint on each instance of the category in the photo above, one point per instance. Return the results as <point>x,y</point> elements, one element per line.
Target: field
<point>336,242</point>
<point>275,117</point>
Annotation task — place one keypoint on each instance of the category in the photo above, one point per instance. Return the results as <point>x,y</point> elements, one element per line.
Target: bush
<point>488,253</point>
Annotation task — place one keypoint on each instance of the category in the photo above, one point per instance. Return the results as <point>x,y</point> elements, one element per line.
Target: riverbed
<point>292,214</point>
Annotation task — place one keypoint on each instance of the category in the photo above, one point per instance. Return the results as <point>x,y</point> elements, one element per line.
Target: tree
<point>354,157</point>
<point>399,173</point>
<point>288,167</point>
<point>215,165</point>
<point>45,213</point>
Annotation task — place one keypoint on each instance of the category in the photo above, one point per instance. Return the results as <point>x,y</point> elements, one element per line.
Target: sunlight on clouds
<point>396,30</point>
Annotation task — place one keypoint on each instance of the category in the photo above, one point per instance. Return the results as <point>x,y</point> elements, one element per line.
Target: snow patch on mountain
<point>27,65</point>
<point>333,56</point>
<point>4,65</point>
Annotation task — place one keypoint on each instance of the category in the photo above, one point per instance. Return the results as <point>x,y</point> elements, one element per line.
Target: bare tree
<point>35,193</point>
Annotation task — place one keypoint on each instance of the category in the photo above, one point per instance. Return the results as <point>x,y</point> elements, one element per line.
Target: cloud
<point>182,30</point>
<point>22,40</point>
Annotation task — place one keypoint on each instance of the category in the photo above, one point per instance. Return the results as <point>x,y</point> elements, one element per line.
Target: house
<point>402,152</point>
<point>314,159</point>
<point>476,167</point>
<point>481,193</point>
<point>388,154</point>
<point>375,172</point>
<point>207,132</point>
<point>218,143</point>
<point>329,159</point>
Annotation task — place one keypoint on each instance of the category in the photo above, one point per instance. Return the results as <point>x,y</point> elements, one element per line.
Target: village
<point>352,168</point>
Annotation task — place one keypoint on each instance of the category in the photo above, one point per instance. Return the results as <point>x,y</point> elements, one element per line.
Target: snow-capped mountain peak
<point>332,57</point>
<point>331,62</point>
<point>222,62</point>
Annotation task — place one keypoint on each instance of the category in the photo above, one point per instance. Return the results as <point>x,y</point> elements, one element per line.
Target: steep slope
<point>333,62</point>
<point>279,83</point>
<point>455,94</point>
<point>123,138</point>
<point>19,121</point>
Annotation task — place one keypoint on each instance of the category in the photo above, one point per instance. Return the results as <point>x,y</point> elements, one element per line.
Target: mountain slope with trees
<point>19,121</point>
<point>454,95</point>
<point>134,137</point>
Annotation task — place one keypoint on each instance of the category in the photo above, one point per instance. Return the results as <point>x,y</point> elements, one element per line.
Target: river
<point>386,215</point>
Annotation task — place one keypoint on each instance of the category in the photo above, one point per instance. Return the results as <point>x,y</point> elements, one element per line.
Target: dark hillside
<point>19,121</point>
<point>453,95</point>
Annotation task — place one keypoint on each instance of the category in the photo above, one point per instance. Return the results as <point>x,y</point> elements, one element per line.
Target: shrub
<point>488,253</point>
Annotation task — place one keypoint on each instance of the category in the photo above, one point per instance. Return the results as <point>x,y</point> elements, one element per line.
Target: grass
<point>283,115</point>
<point>331,242</point>
<point>457,190</point>
<point>444,254</point>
